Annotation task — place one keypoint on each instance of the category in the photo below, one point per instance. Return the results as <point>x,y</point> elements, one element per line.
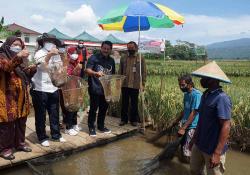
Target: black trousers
<point>97,101</point>
<point>43,101</point>
<point>61,101</point>
<point>132,94</point>
<point>69,118</point>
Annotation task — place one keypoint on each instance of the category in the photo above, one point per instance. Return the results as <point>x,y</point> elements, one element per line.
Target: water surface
<point>125,157</point>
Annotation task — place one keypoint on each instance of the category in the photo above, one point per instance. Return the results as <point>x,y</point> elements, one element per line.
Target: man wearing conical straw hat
<point>211,136</point>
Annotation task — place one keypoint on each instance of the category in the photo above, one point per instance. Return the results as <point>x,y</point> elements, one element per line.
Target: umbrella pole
<point>141,90</point>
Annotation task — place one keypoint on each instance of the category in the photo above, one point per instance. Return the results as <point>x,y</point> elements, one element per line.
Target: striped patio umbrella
<point>139,16</point>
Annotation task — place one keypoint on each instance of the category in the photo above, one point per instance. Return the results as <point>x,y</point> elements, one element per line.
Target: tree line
<point>183,50</point>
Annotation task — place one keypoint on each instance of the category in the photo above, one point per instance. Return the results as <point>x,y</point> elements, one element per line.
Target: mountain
<point>234,49</point>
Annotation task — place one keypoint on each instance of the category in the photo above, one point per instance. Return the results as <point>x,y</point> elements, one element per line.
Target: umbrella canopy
<point>140,16</point>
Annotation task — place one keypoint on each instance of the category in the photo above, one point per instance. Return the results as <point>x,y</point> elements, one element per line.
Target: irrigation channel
<point>122,157</point>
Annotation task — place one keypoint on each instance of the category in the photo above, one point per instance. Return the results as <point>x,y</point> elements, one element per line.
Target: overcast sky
<point>206,21</point>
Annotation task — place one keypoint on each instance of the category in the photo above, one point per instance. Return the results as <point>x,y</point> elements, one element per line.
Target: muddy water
<point>124,157</point>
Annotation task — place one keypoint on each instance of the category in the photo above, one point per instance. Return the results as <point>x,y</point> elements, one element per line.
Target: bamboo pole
<point>141,90</point>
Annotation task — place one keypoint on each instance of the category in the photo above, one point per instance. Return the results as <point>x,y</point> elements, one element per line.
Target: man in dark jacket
<point>97,66</point>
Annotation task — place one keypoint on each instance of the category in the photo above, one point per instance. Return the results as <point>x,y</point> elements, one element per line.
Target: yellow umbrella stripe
<point>115,26</point>
<point>171,14</point>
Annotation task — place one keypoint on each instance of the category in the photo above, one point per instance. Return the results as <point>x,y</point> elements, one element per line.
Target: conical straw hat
<point>212,70</point>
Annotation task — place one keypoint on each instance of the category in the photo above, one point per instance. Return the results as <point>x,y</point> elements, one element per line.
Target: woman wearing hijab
<point>70,118</point>
<point>14,97</point>
<point>44,94</point>
<point>74,69</point>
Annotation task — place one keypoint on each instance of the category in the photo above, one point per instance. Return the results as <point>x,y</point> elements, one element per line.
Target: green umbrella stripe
<point>160,23</point>
<point>113,16</point>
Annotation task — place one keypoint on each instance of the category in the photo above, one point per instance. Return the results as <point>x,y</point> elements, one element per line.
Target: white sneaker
<point>45,143</point>
<point>62,140</point>
<point>71,132</point>
<point>77,128</point>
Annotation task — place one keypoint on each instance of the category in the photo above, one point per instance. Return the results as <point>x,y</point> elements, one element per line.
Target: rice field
<point>163,98</point>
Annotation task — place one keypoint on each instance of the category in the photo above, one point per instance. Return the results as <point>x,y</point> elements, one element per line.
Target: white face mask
<point>48,46</point>
<point>80,45</point>
<point>74,56</point>
<point>16,49</point>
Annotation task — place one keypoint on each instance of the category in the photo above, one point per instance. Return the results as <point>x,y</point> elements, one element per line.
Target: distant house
<point>27,35</point>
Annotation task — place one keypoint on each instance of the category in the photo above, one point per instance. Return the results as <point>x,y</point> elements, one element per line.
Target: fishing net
<point>58,75</point>
<point>112,87</point>
<point>57,70</point>
<point>74,90</point>
<point>151,165</point>
<point>43,165</point>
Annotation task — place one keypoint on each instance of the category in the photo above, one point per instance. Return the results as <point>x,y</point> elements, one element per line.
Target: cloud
<point>81,19</point>
<point>72,18</point>
<point>39,19</point>
<point>200,29</point>
<point>206,29</point>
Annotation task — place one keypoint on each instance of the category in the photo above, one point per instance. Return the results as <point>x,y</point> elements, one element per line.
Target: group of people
<point>205,120</point>
<point>19,80</point>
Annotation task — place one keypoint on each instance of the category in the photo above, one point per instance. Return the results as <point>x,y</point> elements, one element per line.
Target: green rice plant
<point>231,68</point>
<point>163,99</point>
<point>162,105</point>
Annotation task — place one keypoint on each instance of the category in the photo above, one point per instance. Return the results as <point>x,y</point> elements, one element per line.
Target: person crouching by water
<point>70,118</point>
<point>212,132</point>
<point>130,67</point>
<point>189,116</point>
<point>44,94</point>
<point>97,66</point>
<point>14,96</point>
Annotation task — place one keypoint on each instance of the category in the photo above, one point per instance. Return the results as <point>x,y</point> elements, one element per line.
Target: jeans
<point>97,101</point>
<point>43,101</point>
<point>132,94</point>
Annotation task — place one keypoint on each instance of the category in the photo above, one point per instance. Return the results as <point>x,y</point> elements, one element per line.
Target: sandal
<point>24,149</point>
<point>8,156</point>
